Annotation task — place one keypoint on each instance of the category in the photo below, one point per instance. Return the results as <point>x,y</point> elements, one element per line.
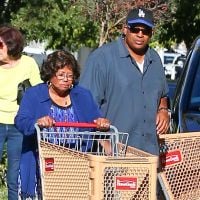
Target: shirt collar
<point>123,51</point>
<point>44,91</point>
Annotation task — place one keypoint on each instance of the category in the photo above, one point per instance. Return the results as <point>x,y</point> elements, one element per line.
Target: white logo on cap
<point>141,13</point>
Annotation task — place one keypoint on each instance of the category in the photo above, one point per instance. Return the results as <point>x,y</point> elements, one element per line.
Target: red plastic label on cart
<point>125,183</point>
<point>49,164</point>
<point>170,158</point>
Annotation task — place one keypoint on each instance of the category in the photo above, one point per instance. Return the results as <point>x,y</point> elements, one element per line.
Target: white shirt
<point>141,66</point>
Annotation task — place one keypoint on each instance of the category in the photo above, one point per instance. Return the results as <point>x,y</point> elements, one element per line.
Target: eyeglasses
<point>145,31</point>
<point>61,76</point>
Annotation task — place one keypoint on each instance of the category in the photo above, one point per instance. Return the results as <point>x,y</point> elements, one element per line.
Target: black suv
<point>186,101</point>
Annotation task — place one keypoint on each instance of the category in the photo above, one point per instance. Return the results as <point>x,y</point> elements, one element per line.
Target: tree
<point>110,14</point>
<point>184,24</point>
<point>76,23</point>
<point>57,22</point>
<point>6,7</point>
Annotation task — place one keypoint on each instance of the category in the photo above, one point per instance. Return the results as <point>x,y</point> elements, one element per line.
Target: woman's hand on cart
<point>45,121</point>
<point>102,124</point>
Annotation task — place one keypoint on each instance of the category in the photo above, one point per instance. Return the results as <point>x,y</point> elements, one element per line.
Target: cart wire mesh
<point>180,166</point>
<point>90,142</point>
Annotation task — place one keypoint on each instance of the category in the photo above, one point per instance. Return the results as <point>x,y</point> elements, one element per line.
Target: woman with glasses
<point>59,98</point>
<point>15,68</point>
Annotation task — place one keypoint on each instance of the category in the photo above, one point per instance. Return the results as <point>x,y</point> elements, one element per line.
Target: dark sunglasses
<point>1,45</point>
<point>145,31</point>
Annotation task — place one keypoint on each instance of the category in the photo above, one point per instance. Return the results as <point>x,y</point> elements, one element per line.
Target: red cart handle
<point>76,124</point>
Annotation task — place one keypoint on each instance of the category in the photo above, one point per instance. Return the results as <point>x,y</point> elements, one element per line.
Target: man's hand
<point>103,124</point>
<point>162,121</point>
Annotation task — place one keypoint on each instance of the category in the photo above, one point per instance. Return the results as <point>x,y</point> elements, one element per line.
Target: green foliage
<point>7,7</point>
<point>57,22</point>
<point>3,193</point>
<point>3,167</point>
<point>184,24</point>
<point>75,23</point>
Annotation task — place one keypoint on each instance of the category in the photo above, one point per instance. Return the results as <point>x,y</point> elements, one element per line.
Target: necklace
<point>59,100</point>
<point>68,101</point>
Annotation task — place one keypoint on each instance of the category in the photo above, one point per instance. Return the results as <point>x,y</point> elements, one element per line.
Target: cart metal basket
<point>180,166</point>
<point>81,166</point>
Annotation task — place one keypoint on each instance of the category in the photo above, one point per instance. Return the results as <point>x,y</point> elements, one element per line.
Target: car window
<point>194,103</point>
<point>180,60</point>
<point>168,59</point>
<point>39,58</point>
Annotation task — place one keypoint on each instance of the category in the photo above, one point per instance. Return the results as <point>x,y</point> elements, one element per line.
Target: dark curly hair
<point>58,60</point>
<point>13,39</point>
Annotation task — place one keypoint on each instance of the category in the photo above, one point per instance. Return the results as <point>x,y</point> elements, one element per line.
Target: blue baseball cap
<point>140,16</point>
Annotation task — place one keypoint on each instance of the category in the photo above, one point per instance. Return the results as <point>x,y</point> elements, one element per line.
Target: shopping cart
<point>93,165</point>
<point>180,166</point>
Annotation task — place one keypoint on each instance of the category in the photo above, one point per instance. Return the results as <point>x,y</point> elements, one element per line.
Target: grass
<point>3,193</point>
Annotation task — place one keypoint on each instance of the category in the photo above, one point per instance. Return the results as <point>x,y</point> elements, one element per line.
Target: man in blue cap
<point>127,80</point>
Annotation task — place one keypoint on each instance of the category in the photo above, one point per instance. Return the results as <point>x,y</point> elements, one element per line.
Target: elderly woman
<point>59,98</point>
<point>15,68</point>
